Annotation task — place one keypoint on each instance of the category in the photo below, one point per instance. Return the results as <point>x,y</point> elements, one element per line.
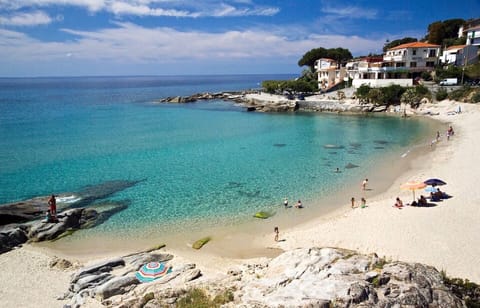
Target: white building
<point>329,73</point>
<point>460,55</point>
<point>449,55</point>
<point>412,57</point>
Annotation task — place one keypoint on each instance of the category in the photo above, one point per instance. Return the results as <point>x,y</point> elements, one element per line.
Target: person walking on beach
<point>275,230</point>
<point>353,202</point>
<point>285,202</point>
<point>364,184</point>
<point>364,203</point>
<point>52,204</point>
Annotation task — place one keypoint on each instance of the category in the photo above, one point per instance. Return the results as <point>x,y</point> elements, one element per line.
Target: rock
<point>137,260</point>
<point>191,275</point>
<point>23,211</point>
<point>379,109</point>
<point>101,267</point>
<point>201,242</point>
<point>62,264</point>
<point>342,278</point>
<point>114,286</point>
<point>371,275</point>
<point>11,238</point>
<point>90,281</point>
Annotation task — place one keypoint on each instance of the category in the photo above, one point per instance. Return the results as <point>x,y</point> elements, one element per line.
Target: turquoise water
<point>209,161</point>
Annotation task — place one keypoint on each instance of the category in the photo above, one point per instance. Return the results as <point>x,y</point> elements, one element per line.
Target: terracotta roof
<point>456,47</point>
<point>414,45</point>
<point>472,29</point>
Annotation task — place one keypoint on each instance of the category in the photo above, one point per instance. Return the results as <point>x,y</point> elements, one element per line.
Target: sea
<point>207,163</point>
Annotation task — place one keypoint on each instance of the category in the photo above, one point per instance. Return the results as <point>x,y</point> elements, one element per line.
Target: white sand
<point>446,236</point>
<point>26,280</point>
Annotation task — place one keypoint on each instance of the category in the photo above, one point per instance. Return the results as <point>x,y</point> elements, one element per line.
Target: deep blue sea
<point>204,162</point>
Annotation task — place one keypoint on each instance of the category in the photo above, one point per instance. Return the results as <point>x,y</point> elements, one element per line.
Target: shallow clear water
<point>208,161</point>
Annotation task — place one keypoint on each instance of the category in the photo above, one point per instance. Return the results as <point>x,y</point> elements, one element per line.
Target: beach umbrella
<point>431,189</point>
<point>151,271</point>
<point>413,186</point>
<point>434,182</point>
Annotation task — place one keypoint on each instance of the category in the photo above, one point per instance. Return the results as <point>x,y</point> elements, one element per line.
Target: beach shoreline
<point>445,236</point>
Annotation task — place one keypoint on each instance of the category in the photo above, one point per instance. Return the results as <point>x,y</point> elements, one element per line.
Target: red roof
<point>415,45</point>
<point>456,47</point>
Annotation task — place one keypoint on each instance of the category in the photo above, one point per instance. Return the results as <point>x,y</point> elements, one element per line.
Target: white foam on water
<point>68,199</point>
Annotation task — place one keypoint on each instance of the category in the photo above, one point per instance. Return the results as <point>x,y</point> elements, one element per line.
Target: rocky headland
<point>263,102</point>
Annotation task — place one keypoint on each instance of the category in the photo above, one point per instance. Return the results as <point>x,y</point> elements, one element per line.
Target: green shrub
<point>376,96</point>
<point>426,76</point>
<point>223,298</point>
<point>392,94</point>
<point>441,95</point>
<point>476,97</point>
<point>464,289</point>
<point>410,96</point>
<point>460,94</point>
<point>362,92</point>
<point>197,298</point>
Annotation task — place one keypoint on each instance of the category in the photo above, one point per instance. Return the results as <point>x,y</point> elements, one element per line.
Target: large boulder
<point>11,238</point>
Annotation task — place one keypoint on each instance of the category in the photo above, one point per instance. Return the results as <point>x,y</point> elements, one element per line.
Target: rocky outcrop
<point>231,96</point>
<point>326,276</point>
<point>310,277</point>
<point>35,208</point>
<point>67,222</point>
<point>113,282</point>
<point>254,104</point>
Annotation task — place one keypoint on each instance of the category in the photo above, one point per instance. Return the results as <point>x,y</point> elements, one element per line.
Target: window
<point>414,52</point>
<point>432,53</point>
<point>430,64</point>
<point>413,64</point>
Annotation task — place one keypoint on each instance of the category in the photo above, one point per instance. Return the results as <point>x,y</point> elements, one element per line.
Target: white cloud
<point>175,8</point>
<point>26,19</point>
<point>350,12</point>
<point>130,43</point>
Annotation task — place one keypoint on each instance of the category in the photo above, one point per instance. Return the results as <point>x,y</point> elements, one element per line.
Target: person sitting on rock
<point>48,216</point>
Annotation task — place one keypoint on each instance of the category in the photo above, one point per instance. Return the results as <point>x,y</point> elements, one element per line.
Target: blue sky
<point>176,37</point>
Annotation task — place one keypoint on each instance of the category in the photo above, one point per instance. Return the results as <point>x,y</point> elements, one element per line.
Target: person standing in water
<point>285,202</point>
<point>275,230</point>
<point>364,184</point>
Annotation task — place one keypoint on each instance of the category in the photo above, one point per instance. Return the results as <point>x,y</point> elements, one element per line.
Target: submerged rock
<point>351,166</point>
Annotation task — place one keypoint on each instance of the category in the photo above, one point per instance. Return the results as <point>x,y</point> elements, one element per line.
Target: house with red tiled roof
<point>412,58</point>
<point>400,65</point>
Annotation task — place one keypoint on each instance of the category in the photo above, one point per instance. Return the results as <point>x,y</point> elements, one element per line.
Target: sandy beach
<point>446,235</point>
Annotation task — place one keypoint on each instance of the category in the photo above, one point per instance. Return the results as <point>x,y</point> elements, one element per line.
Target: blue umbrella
<point>431,189</point>
<point>434,182</point>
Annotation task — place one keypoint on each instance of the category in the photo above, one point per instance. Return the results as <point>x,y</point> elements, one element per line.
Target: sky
<point>194,37</point>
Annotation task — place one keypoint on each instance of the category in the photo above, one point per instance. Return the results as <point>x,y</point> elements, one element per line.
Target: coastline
<point>445,236</point>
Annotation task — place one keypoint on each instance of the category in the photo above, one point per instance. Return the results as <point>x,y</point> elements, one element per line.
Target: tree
<point>436,33</point>
<point>389,45</point>
<point>338,54</point>
<point>311,56</point>
<point>439,31</point>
